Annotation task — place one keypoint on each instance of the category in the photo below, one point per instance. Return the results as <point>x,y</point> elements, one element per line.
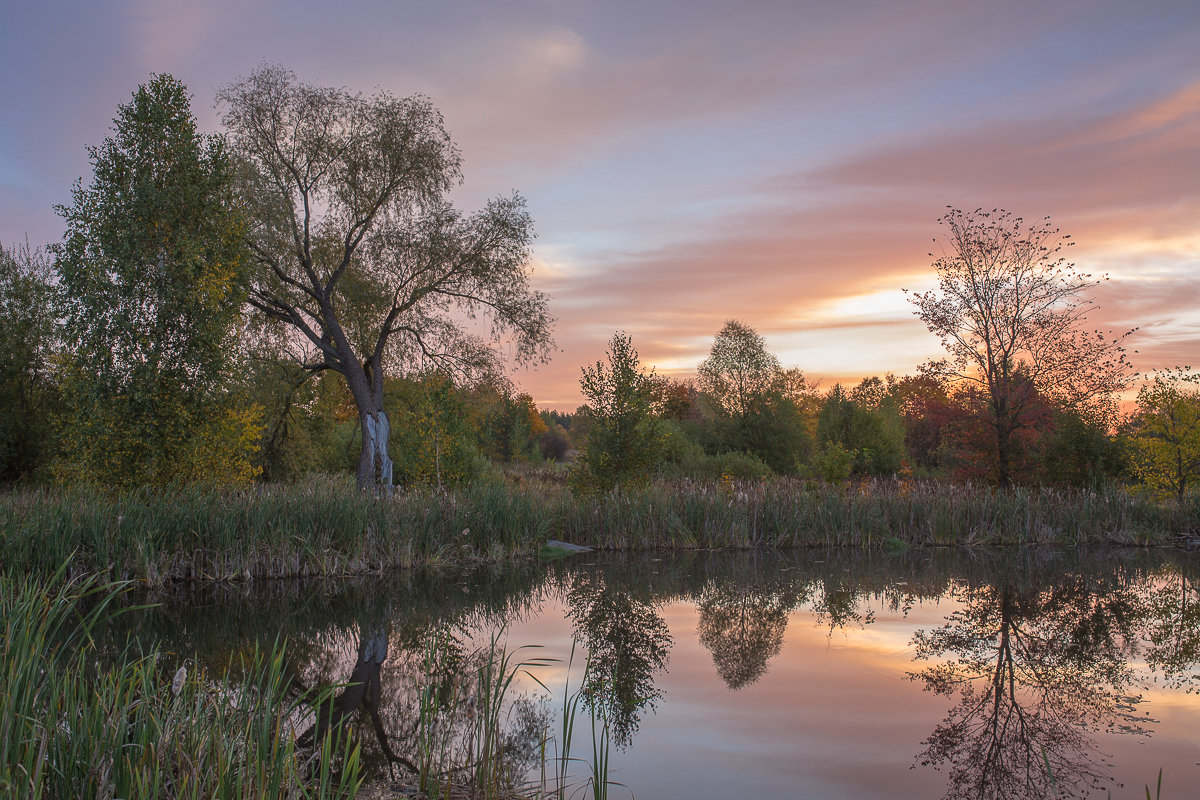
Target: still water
<point>921,674</point>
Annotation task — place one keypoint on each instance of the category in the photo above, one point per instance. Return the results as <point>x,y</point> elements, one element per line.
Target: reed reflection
<point>1037,670</point>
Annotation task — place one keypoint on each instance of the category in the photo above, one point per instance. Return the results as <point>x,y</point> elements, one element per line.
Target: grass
<point>76,721</point>
<point>140,728</point>
<point>323,527</point>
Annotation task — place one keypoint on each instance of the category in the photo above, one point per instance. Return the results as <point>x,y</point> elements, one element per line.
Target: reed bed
<point>139,727</point>
<point>324,527</point>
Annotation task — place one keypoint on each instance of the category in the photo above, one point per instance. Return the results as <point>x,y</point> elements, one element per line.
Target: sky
<point>690,162</point>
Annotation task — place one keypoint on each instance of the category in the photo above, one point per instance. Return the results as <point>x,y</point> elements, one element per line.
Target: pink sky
<point>781,163</point>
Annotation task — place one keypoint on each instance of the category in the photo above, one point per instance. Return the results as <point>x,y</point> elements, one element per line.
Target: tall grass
<point>561,785</point>
<point>140,728</point>
<point>465,745</point>
<point>327,528</point>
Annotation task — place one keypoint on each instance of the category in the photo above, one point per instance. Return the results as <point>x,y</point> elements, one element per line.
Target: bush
<point>833,462</point>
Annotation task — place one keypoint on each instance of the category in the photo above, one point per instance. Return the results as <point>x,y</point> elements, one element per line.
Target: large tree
<point>359,251</point>
<point>1011,312</point>
<point>151,277</point>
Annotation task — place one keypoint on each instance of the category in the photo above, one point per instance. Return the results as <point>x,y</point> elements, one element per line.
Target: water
<point>843,674</point>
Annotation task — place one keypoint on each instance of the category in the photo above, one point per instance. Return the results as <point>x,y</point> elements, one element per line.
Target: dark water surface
<point>838,674</point>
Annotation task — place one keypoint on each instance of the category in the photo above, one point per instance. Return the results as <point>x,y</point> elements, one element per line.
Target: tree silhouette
<point>1036,671</point>
<point>1009,310</point>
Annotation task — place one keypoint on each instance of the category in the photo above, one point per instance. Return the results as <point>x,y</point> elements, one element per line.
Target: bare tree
<point>359,250</point>
<point>1010,311</point>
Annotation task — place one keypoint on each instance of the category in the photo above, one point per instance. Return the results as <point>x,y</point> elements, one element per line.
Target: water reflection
<point>743,627</point>
<point>1030,659</point>
<point>627,643</point>
<point>1036,669</point>
<point>1174,630</point>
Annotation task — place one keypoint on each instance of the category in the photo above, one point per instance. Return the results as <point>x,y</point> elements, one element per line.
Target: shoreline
<point>324,528</point>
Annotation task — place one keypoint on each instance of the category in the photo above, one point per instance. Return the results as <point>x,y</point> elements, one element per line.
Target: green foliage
<point>757,402</point>
<point>623,443</point>
<point>736,466</point>
<point>1080,452</point>
<point>833,462</point>
<point>677,447</point>
<point>508,425</point>
<point>739,372</point>
<point>684,458</point>
<point>27,343</point>
<point>866,423</point>
<point>1165,440</point>
<point>774,433</point>
<point>152,272</point>
<point>310,424</point>
<point>431,440</point>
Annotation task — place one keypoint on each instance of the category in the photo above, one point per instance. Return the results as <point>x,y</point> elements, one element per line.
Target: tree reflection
<point>1036,672</point>
<point>362,691</point>
<point>743,628</point>
<point>627,642</point>
<point>1173,633</point>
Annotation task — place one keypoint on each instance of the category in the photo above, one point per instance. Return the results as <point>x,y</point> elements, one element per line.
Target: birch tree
<point>151,275</point>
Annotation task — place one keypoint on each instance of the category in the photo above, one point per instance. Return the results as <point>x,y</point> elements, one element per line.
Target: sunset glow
<point>783,164</point>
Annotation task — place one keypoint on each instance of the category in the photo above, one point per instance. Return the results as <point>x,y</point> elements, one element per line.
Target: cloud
<point>781,163</point>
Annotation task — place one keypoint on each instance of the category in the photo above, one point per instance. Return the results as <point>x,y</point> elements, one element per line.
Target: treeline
<point>745,416</point>
<point>270,418</point>
<point>297,297</point>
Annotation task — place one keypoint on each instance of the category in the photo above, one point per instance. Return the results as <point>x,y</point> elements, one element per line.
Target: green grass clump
<point>76,722</point>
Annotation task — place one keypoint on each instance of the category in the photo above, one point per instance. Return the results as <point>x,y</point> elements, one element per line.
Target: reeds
<point>76,723</point>
<point>464,745</point>
<point>325,527</point>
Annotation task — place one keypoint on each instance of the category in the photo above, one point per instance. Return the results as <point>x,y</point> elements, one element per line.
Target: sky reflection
<point>831,699</point>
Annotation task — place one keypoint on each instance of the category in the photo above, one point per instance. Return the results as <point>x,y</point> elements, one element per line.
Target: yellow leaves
<point>1165,446</point>
<point>216,284</point>
<point>220,452</point>
<point>106,445</point>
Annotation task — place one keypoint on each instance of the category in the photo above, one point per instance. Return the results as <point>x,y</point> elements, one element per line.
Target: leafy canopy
<point>151,274</point>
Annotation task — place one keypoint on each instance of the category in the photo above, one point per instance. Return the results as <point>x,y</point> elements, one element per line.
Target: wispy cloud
<point>781,163</point>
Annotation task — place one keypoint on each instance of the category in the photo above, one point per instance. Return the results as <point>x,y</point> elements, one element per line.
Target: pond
<point>916,674</point>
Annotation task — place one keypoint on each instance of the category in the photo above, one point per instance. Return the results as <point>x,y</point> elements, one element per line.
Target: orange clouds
<point>780,163</point>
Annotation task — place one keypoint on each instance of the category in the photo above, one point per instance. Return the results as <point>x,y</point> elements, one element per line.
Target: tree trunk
<point>1003,460</point>
<point>374,461</point>
<point>1004,426</point>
